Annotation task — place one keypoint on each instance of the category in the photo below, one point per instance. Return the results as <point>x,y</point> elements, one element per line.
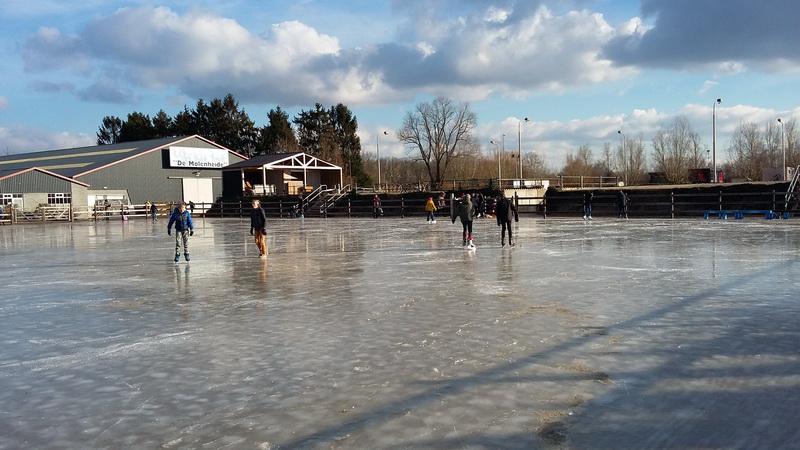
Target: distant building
<point>170,169</point>
<point>279,174</point>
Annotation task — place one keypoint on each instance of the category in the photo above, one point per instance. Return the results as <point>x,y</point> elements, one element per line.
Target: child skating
<point>183,229</point>
<point>430,210</point>
<point>505,211</point>
<point>465,211</point>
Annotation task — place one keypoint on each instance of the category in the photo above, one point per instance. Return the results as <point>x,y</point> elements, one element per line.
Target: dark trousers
<point>506,225</point>
<point>431,216</point>
<point>467,234</point>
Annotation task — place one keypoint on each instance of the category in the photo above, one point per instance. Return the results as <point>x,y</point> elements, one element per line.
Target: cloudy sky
<point>578,69</point>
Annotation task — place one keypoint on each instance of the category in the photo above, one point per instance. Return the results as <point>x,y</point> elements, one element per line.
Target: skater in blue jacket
<point>183,229</point>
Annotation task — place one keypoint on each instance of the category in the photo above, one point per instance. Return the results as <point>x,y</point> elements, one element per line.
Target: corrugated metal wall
<point>147,177</point>
<point>35,182</point>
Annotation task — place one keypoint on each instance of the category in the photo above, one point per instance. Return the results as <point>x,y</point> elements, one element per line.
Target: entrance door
<point>198,190</point>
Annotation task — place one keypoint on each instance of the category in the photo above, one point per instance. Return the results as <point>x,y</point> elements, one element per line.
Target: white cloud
<point>553,139</point>
<point>3,103</point>
<point>496,15</point>
<point>202,54</point>
<point>18,139</point>
<point>707,86</point>
<point>389,145</point>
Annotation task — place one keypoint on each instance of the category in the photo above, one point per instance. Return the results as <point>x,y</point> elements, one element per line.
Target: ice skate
<point>433,221</point>
<point>511,243</point>
<point>186,257</point>
<point>177,258</point>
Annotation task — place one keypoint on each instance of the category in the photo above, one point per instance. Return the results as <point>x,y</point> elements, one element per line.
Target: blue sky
<point>579,69</point>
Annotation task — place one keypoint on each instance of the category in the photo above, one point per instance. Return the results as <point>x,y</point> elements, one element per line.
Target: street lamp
<point>499,171</point>
<point>519,144</point>
<point>714,136</point>
<point>378,150</point>
<point>503,149</point>
<point>622,153</point>
<point>783,147</point>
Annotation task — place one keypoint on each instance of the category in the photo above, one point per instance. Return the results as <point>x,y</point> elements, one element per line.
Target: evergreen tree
<point>108,133</point>
<point>316,134</point>
<point>184,124</point>
<point>137,127</point>
<point>278,136</point>
<point>345,129</point>
<point>163,125</point>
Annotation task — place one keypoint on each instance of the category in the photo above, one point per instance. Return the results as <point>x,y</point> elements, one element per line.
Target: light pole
<point>519,144</point>
<point>783,147</point>
<point>499,171</point>
<point>503,149</point>
<point>622,154</point>
<point>378,150</point>
<point>714,137</point>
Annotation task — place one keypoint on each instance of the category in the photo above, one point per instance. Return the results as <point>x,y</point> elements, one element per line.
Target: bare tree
<point>630,161</point>
<point>534,166</point>
<point>579,163</point>
<point>676,149</point>
<point>746,152</point>
<point>439,131</point>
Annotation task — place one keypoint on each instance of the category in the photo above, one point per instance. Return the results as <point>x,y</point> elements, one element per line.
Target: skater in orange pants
<point>258,222</point>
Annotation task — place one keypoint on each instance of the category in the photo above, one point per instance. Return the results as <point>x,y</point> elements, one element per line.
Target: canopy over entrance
<point>279,174</point>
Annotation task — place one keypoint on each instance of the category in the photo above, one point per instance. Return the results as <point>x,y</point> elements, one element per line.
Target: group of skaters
<point>622,205</point>
<point>466,211</point>
<point>463,208</point>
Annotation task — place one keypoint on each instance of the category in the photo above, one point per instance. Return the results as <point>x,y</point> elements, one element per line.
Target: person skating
<point>258,223</point>
<point>430,209</point>
<point>465,211</point>
<point>154,211</point>
<point>183,229</point>
<point>587,205</point>
<point>622,205</point>
<point>377,211</point>
<point>504,212</point>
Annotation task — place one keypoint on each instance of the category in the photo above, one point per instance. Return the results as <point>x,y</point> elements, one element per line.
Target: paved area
<point>386,334</point>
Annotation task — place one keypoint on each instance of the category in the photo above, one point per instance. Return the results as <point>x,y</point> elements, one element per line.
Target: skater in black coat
<point>505,211</point>
<point>622,205</point>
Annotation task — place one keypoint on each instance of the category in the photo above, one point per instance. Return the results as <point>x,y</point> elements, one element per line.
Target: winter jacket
<point>622,199</point>
<point>182,220</point>
<point>430,206</point>
<point>505,211</point>
<point>258,219</point>
<point>466,211</point>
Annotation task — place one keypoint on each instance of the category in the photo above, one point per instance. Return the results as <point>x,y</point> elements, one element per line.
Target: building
<point>169,169</point>
<point>279,174</point>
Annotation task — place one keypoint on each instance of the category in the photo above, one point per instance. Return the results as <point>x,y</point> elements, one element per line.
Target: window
<point>8,199</point>
<point>59,199</point>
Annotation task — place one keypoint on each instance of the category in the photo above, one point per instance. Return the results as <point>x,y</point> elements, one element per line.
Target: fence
<point>645,204</point>
<point>660,204</point>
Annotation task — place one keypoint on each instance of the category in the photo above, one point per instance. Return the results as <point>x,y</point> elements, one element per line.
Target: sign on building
<point>198,158</point>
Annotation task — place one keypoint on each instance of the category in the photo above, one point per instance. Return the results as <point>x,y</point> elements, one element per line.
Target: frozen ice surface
<point>386,334</point>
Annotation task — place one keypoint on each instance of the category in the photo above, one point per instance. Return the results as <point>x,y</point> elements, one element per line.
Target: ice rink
<point>361,333</point>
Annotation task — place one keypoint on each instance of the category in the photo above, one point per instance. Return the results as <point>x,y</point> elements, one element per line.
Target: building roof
<point>298,160</point>
<point>10,173</point>
<point>72,162</point>
<point>261,160</point>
